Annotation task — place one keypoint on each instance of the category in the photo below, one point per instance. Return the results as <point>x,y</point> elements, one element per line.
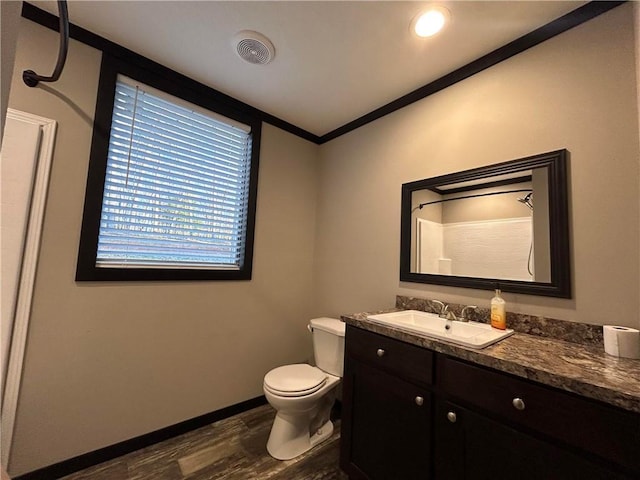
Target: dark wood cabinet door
<point>386,433</point>
<point>471,446</point>
<point>598,430</point>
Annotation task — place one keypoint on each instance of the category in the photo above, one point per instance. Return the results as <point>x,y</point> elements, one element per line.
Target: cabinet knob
<point>380,352</point>
<point>419,401</point>
<point>451,416</point>
<point>518,403</point>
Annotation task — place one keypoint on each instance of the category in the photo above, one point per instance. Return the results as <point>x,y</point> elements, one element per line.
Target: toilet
<point>303,395</point>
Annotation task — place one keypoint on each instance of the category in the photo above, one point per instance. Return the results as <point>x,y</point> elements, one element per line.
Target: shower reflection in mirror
<point>487,228</point>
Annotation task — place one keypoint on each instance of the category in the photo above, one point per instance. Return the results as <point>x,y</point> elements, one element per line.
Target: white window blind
<point>176,187</point>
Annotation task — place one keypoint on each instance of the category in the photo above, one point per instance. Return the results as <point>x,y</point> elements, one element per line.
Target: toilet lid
<point>295,380</point>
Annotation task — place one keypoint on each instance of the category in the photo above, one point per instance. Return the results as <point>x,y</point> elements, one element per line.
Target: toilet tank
<point>328,344</point>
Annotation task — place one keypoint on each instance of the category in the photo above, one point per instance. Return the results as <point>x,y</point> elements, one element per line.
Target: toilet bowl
<point>303,395</point>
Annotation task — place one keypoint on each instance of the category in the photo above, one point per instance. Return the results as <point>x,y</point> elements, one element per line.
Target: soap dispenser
<point>498,311</point>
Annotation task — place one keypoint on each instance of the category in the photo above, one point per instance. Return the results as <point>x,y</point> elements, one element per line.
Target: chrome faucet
<point>444,308</point>
<point>451,316</point>
<point>464,316</point>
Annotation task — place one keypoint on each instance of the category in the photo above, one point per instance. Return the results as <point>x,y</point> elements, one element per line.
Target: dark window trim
<point>86,267</point>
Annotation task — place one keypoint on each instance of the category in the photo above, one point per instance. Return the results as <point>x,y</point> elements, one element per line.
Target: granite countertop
<point>583,369</point>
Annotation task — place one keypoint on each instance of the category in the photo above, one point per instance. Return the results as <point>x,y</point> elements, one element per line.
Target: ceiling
<point>335,60</point>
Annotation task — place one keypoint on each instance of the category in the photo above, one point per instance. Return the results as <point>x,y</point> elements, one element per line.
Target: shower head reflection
<point>527,200</point>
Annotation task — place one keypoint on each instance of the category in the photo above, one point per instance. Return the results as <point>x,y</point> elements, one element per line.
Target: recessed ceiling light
<point>429,22</point>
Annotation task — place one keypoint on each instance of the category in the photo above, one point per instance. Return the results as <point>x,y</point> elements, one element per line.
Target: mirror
<point>503,224</point>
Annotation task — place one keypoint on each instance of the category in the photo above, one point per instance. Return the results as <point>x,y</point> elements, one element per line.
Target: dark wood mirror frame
<point>560,284</point>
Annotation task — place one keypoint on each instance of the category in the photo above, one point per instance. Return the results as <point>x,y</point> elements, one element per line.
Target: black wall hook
<point>30,77</point>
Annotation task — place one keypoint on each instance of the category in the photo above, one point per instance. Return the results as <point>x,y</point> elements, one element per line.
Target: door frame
<point>26,281</point>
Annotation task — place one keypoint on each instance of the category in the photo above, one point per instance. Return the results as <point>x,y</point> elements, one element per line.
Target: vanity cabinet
<point>472,422</point>
<point>601,432</point>
<point>471,446</point>
<point>387,408</point>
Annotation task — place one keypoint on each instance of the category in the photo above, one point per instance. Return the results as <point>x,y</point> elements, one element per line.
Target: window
<point>171,187</point>
<point>175,191</point>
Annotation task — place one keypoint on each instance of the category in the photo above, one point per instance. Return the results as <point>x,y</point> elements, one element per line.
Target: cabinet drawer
<point>396,357</point>
<point>611,433</point>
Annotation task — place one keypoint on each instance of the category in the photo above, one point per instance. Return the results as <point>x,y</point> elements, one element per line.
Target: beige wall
<point>431,212</point>
<point>106,362</point>
<point>10,19</point>
<point>575,91</point>
<point>541,226</point>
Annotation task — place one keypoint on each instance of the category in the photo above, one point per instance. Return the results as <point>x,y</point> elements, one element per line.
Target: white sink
<point>469,334</point>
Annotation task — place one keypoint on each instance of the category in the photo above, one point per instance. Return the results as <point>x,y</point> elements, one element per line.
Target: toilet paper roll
<point>621,341</point>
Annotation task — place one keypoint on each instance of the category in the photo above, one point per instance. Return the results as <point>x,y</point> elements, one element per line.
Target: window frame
<point>111,67</point>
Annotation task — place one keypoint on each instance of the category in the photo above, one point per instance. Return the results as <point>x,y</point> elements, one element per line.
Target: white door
<point>25,162</point>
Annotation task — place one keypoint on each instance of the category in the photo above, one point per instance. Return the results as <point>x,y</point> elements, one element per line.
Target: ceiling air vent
<point>253,47</point>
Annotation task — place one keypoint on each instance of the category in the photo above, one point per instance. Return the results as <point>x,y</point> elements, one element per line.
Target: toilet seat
<point>295,380</point>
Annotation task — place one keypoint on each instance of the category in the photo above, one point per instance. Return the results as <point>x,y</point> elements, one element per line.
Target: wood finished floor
<point>231,449</point>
